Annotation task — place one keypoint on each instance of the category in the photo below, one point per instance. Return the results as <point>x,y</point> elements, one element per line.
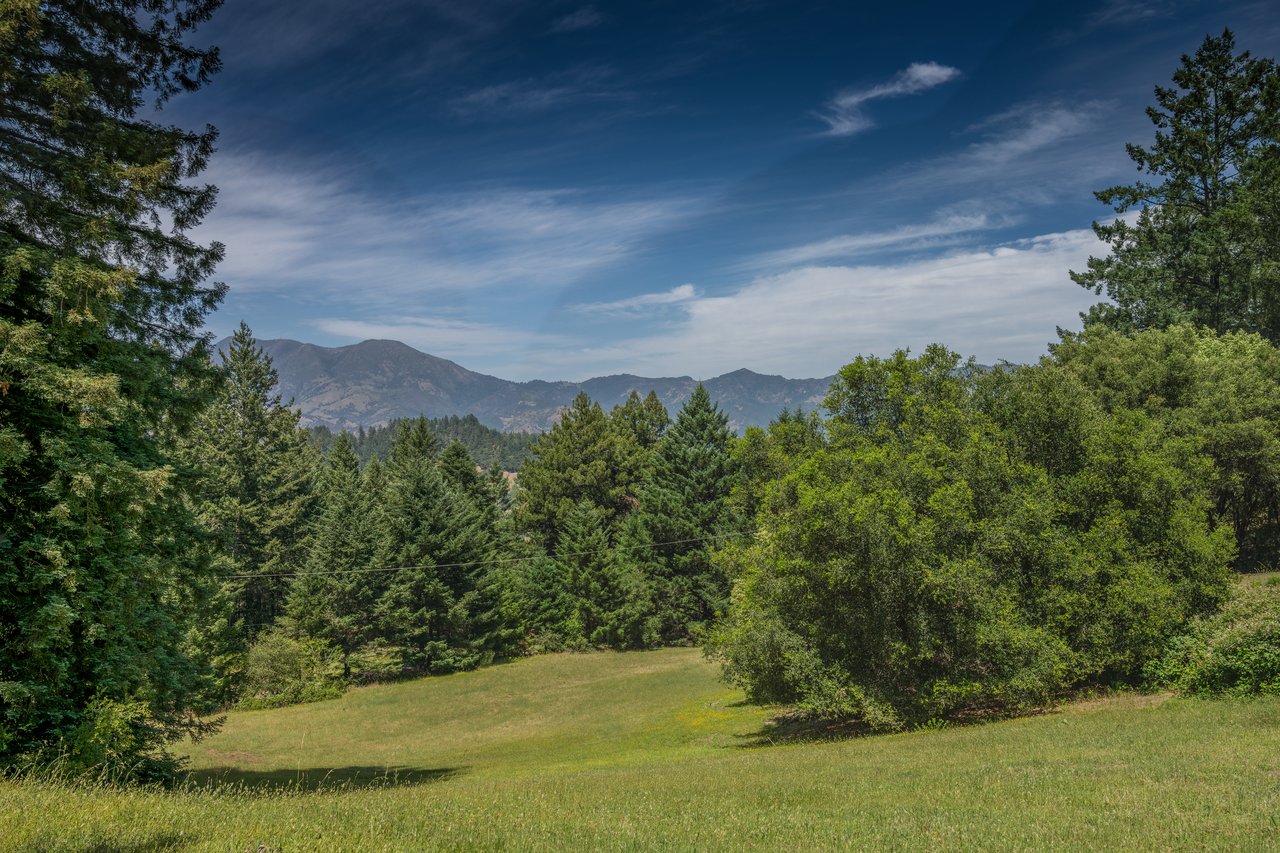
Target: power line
<point>476,562</point>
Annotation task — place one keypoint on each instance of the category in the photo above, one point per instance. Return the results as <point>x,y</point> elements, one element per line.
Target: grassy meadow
<point>650,750</point>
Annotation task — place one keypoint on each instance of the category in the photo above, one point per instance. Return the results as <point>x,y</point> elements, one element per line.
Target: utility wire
<point>477,562</point>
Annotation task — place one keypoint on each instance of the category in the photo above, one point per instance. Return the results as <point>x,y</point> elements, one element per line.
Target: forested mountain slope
<point>374,382</point>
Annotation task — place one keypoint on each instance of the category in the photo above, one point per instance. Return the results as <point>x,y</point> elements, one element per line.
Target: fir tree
<point>102,360</point>
<point>256,489</point>
<point>611,603</point>
<point>646,419</point>
<point>584,456</point>
<point>255,494</point>
<point>1198,249</point>
<point>685,502</point>
<point>435,605</point>
<point>334,598</point>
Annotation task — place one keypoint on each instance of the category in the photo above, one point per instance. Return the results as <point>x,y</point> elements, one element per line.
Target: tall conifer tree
<point>1199,248</point>
<point>584,456</point>
<point>334,598</point>
<point>102,359</point>
<point>686,501</point>
<point>435,605</point>
<point>255,494</point>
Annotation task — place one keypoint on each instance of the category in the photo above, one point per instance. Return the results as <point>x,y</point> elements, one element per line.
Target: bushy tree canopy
<point>966,542</point>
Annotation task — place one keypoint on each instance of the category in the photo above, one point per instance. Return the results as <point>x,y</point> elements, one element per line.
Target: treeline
<point>940,543</point>
<point>950,541</point>
<point>417,562</point>
<point>488,447</point>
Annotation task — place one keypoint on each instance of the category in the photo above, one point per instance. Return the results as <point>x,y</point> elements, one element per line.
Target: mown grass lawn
<point>650,750</point>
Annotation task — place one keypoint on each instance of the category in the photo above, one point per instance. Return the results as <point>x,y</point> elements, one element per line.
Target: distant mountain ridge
<point>373,382</point>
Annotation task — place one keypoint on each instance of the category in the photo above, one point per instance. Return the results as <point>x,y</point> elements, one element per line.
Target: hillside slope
<point>374,382</point>
<point>649,750</point>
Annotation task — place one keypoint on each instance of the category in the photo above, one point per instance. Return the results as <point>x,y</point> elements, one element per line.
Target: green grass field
<point>650,750</point>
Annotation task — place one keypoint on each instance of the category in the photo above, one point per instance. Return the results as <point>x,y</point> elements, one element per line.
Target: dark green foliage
<point>645,419</point>
<point>1220,392</point>
<point>102,362</point>
<point>967,542</point>
<point>610,599</point>
<point>255,494</point>
<point>1234,652</point>
<point>585,456</point>
<point>334,597</point>
<point>1202,247</point>
<point>435,604</point>
<point>489,447</point>
<point>683,503</point>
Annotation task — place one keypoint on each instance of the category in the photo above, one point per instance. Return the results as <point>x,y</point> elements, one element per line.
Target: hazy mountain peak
<point>376,381</point>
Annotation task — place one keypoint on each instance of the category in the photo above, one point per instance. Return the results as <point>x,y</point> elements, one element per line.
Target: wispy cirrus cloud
<point>645,301</point>
<point>844,113</point>
<point>996,302</point>
<point>585,18</point>
<point>316,231</point>
<point>534,95</point>
<point>845,246</point>
<point>1029,150</point>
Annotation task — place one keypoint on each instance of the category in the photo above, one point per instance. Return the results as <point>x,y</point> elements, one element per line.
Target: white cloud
<point>581,19</point>
<point>851,245</point>
<point>1029,150</point>
<point>675,296</point>
<point>844,114</point>
<point>555,91</point>
<point>1002,302</point>
<point>315,233</point>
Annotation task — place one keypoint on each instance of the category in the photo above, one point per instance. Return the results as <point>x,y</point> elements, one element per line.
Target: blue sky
<point>560,190</point>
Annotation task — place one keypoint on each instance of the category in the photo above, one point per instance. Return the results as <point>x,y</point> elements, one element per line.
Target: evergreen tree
<point>334,598</point>
<point>459,470</point>
<point>256,490</point>
<point>436,606</point>
<point>584,456</point>
<point>684,503</point>
<point>611,603</point>
<point>646,419</point>
<point>1199,249</point>
<point>102,361</point>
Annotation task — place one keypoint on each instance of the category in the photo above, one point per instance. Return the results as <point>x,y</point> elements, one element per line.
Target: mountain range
<point>374,382</point>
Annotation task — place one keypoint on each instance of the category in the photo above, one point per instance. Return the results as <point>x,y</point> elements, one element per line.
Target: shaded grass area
<point>642,751</point>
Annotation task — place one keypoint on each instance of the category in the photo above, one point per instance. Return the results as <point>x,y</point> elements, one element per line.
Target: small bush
<point>1235,652</point>
<point>280,670</point>
<point>116,741</point>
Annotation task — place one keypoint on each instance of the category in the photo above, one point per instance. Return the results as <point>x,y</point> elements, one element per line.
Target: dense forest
<point>939,542</point>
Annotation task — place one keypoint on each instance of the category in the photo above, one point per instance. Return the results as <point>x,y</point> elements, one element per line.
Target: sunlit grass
<point>650,750</point>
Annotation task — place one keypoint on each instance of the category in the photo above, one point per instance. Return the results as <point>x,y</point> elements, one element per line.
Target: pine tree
<point>256,490</point>
<point>256,495</point>
<point>1199,248</point>
<point>584,456</point>
<point>334,599</point>
<point>645,419</point>
<point>685,503</point>
<point>611,603</point>
<point>102,362</point>
<point>435,606</point>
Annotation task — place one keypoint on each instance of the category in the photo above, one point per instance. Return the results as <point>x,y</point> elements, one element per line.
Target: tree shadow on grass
<point>787,729</point>
<point>317,778</point>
